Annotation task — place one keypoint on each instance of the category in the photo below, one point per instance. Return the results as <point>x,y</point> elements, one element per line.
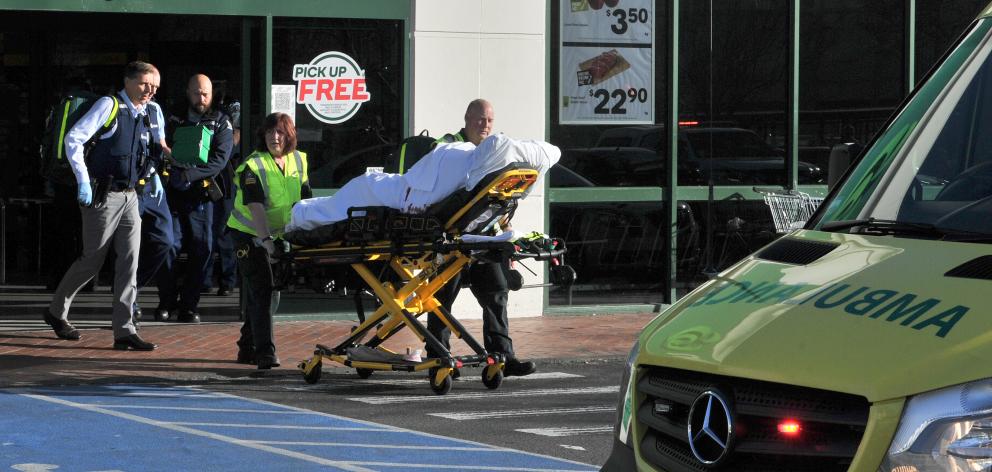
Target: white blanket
<point>438,174</point>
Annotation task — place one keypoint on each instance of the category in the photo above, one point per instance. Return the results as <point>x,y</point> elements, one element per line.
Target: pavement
<point>31,354</point>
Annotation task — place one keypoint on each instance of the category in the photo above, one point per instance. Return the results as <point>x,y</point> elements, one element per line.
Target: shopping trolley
<point>790,208</point>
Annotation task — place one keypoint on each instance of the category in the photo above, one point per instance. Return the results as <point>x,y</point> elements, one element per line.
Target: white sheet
<point>438,174</point>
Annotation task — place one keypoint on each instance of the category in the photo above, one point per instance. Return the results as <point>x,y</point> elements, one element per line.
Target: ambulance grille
<point>795,251</point>
<point>832,424</point>
<point>978,268</point>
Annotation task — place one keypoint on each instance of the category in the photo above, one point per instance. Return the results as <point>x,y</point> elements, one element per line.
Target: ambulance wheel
<point>363,373</point>
<point>314,375</point>
<point>445,385</point>
<point>494,382</point>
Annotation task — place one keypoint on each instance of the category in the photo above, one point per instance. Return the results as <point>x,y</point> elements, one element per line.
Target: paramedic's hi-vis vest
<point>282,189</point>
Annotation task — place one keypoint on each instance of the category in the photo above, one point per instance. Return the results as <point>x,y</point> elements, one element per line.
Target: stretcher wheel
<point>314,375</point>
<point>363,372</point>
<point>445,385</point>
<point>497,379</point>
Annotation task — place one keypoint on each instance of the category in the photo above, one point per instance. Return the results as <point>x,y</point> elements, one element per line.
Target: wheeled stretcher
<point>406,259</point>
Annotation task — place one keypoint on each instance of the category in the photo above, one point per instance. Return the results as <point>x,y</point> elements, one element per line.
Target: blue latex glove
<point>85,194</point>
<point>156,190</point>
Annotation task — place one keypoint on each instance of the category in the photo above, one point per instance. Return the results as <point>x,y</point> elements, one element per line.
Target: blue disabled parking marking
<point>149,428</point>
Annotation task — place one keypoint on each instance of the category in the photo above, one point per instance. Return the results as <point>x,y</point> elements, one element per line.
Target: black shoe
<point>188,316</point>
<point>246,356</point>
<point>133,341</point>
<point>515,368</point>
<point>62,328</point>
<point>161,314</point>
<point>223,291</point>
<point>267,362</point>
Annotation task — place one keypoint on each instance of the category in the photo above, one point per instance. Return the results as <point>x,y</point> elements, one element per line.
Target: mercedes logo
<point>711,428</point>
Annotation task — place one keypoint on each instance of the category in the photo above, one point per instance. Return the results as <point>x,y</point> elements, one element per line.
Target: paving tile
<point>190,353</point>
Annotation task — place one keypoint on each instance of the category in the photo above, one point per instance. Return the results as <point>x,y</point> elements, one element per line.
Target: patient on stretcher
<point>443,171</point>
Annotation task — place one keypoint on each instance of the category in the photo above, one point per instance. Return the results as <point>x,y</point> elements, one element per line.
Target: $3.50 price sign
<point>625,18</point>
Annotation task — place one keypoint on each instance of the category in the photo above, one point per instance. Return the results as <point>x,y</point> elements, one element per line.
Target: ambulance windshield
<point>932,167</point>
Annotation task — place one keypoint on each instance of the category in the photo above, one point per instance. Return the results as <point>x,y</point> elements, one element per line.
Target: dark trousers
<point>261,299</point>
<point>157,244</point>
<point>223,247</point>
<point>490,290</point>
<point>191,226</point>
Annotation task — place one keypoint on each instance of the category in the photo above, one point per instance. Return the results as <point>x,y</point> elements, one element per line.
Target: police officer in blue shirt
<point>157,244</point>
<point>106,179</point>
<point>192,206</point>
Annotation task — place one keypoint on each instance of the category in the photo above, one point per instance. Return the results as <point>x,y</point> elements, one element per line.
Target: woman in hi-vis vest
<point>268,183</point>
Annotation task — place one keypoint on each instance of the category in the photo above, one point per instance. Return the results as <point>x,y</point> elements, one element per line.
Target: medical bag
<point>409,152</point>
<point>61,118</point>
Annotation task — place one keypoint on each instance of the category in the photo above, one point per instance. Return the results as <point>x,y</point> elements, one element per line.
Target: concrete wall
<point>492,49</point>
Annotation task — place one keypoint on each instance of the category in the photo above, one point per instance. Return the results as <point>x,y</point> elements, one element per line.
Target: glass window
<point>338,152</point>
<point>617,250</point>
<point>851,72</point>
<point>733,91</point>
<point>938,24</point>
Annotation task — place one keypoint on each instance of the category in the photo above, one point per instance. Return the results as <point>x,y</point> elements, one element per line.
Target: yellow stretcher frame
<point>423,268</point>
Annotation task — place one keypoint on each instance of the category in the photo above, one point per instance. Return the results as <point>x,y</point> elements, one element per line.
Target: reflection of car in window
<point>338,171</point>
<point>633,156</point>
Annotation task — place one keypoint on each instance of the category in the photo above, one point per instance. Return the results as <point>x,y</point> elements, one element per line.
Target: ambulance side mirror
<point>841,157</point>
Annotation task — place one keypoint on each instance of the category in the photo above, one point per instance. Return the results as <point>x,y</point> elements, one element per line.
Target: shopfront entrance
<point>46,54</point>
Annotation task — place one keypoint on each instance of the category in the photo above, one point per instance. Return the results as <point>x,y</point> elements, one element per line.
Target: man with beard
<point>191,200</point>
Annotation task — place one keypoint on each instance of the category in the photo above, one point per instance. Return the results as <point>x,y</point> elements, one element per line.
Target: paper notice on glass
<point>284,100</point>
<point>611,21</point>
<point>604,85</point>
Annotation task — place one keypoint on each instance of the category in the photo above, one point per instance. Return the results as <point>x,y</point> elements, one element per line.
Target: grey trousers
<point>117,222</point>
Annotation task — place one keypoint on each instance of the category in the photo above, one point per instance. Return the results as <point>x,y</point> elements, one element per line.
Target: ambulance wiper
<point>880,226</point>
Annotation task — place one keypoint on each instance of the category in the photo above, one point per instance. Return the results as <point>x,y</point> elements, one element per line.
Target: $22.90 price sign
<point>603,85</point>
<point>606,67</point>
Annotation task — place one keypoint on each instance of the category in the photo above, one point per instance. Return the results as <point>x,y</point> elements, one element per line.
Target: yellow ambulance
<point>861,342</point>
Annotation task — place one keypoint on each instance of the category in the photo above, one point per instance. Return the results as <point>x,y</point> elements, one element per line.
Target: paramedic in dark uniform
<point>157,244</point>
<point>192,207</point>
<point>222,245</point>
<point>488,282</point>
<point>270,181</point>
<point>108,202</point>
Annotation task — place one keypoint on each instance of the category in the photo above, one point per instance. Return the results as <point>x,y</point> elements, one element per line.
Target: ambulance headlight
<point>948,429</point>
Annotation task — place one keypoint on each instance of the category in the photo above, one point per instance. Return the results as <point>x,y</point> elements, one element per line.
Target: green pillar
<point>267,77</point>
<point>910,46</point>
<point>671,146</point>
<point>792,113</point>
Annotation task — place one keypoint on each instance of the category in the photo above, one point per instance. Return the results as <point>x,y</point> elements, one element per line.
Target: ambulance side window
<point>966,138</point>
